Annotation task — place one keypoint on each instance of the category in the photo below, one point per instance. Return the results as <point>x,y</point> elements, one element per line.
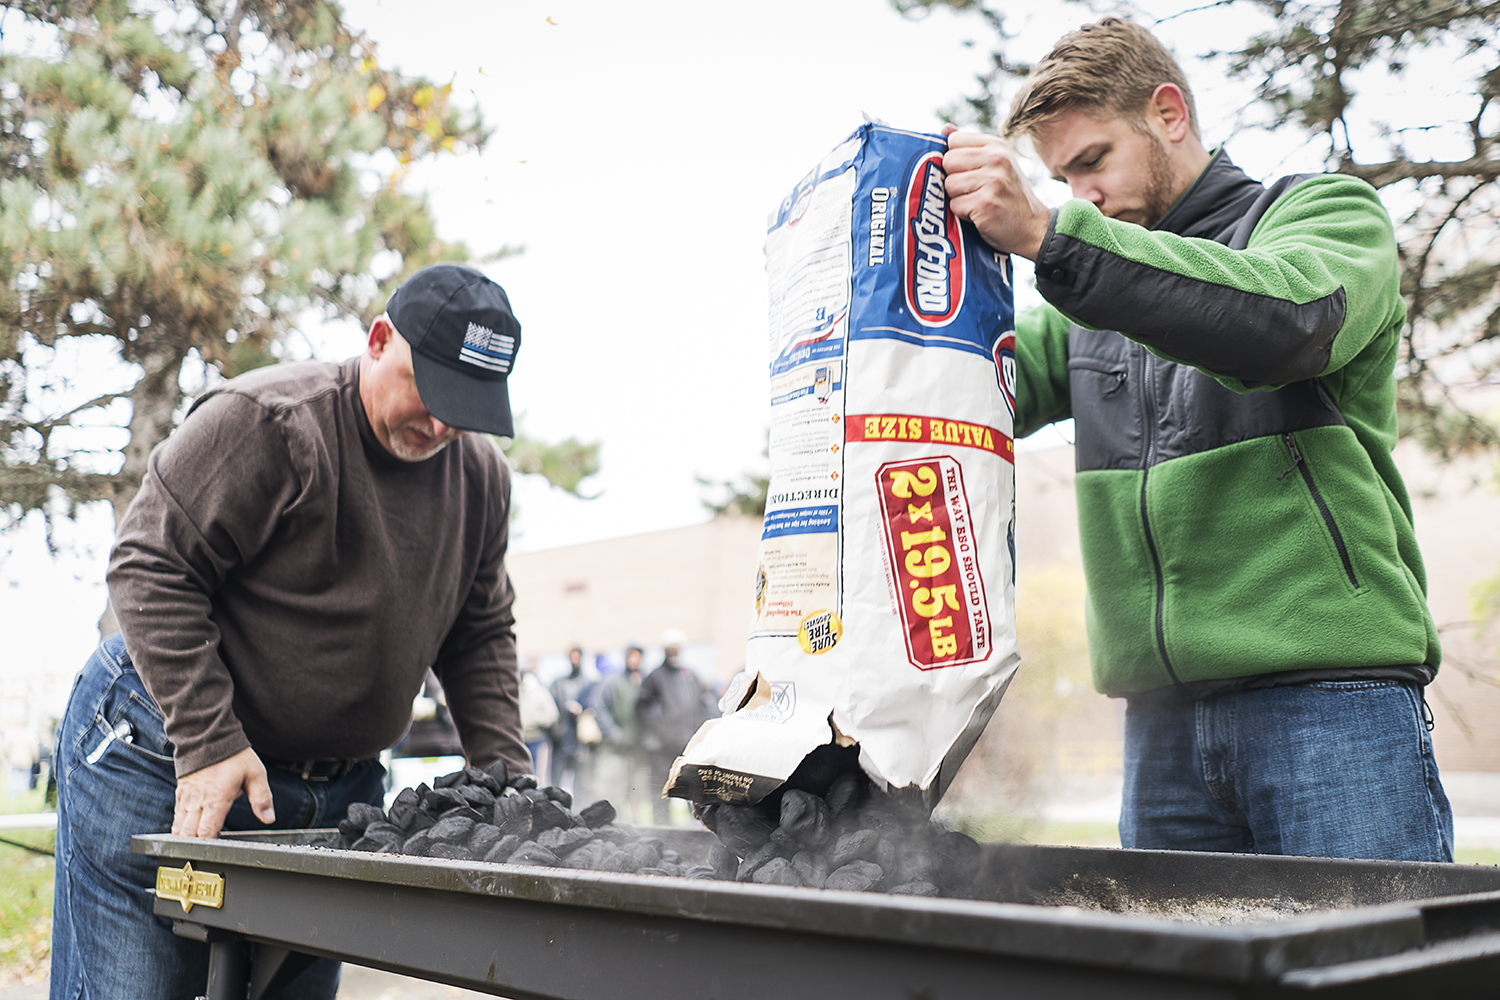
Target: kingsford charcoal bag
<point>883,601</point>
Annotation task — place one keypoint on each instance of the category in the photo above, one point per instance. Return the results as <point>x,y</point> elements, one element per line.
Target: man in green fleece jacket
<point>1226,351</point>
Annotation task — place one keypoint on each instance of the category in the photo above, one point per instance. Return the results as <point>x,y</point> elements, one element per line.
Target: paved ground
<point>368,984</point>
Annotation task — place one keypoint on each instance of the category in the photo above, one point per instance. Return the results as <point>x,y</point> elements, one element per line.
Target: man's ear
<point>1170,108</point>
<point>380,337</point>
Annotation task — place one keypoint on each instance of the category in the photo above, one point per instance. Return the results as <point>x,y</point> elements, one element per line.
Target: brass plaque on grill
<point>190,888</point>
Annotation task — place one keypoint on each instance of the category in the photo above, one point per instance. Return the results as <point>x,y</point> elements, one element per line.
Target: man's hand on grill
<point>204,797</point>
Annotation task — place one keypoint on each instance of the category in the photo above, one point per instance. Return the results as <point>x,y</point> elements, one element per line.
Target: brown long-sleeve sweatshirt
<point>283,582</point>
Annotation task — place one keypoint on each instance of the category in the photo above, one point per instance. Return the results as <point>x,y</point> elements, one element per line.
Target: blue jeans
<point>106,943</point>
<point>1339,769</point>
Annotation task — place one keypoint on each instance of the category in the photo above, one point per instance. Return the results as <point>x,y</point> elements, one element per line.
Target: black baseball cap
<point>463,341</point>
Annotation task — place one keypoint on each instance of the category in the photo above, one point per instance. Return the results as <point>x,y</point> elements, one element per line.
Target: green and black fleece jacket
<point>1230,376</point>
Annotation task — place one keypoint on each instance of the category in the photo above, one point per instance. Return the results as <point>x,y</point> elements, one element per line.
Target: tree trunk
<point>154,401</point>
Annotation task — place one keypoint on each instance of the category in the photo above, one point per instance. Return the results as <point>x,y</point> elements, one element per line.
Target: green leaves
<point>190,178</point>
<point>565,464</point>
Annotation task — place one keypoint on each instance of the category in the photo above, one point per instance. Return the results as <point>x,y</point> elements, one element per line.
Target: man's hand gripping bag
<point>884,597</point>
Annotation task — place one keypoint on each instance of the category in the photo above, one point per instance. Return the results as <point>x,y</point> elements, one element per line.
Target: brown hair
<point>1108,69</point>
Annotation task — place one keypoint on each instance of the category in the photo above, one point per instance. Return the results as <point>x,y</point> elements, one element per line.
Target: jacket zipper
<point>1300,464</point>
<point>1148,397</point>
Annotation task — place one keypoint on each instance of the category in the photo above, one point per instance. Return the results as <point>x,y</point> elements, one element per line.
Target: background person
<point>306,544</point>
<point>670,708</point>
<point>624,777</point>
<point>538,717</point>
<point>568,751</point>
<point>1226,351</point>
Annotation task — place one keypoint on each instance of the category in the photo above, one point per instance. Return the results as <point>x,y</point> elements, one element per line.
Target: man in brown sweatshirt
<point>308,543</point>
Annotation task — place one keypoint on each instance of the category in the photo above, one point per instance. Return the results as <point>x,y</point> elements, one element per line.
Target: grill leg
<point>228,969</point>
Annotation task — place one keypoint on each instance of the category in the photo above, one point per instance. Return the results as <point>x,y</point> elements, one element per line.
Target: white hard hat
<point>673,638</point>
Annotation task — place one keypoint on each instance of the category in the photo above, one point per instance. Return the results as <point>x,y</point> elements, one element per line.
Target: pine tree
<point>182,183</point>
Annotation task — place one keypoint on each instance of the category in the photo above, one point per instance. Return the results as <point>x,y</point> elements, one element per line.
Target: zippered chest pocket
<point>1105,413</point>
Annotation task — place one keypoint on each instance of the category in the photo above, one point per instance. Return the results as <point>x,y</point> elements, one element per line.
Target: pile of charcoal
<point>827,828</point>
<point>824,829</point>
<point>471,815</point>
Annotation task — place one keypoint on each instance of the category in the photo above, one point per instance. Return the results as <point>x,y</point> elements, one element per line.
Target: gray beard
<point>408,455</point>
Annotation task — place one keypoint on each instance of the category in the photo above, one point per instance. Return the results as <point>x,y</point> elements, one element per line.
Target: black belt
<point>318,769</point>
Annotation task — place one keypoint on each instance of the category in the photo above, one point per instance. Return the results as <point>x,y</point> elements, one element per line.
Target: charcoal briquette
<point>886,854</point>
<point>589,855</point>
<point>699,871</point>
<point>646,852</point>
<point>440,800</point>
<point>451,830</point>
<point>517,826</point>
<point>723,861</point>
<point>881,820</point>
<point>362,814</point>
<point>561,840</point>
<point>777,871</point>
<point>531,854</point>
<point>451,852</point>
<point>853,847</point>
<point>811,868</point>
<point>599,814</point>
<point>449,780</point>
<point>667,854</point>
<point>511,808</point>
<point>916,887</point>
<point>503,848</point>
<point>484,836</point>
<point>547,814</point>
<point>419,821</point>
<point>350,830</point>
<point>755,859</point>
<point>558,795</point>
<point>417,845</point>
<point>480,778</point>
<point>402,812</point>
<point>478,796</point>
<point>468,812</point>
<point>742,829</point>
<point>499,773</point>
<point>917,864</point>
<point>845,792</point>
<point>622,862</point>
<point>805,820</point>
<point>619,835</point>
<point>384,829</point>
<point>371,844</point>
<point>856,876</point>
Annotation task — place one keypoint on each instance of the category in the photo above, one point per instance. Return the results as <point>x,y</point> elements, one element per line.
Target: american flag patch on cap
<point>487,349</point>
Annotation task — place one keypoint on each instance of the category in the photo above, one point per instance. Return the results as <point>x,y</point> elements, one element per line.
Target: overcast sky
<point>637,150</point>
